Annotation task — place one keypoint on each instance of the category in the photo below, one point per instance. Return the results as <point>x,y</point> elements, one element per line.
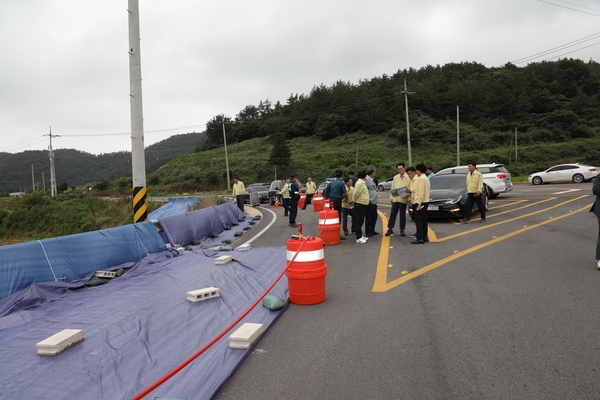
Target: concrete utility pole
<point>406,93</point>
<point>53,189</point>
<point>227,158</point>
<point>32,179</point>
<point>138,162</point>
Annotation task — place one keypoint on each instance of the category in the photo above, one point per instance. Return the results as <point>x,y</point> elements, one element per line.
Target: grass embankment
<point>205,171</point>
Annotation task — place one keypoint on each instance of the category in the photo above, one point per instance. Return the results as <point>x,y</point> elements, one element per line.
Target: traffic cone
<point>277,202</point>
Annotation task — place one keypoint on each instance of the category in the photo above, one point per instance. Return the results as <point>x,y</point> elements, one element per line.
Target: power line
<point>557,48</point>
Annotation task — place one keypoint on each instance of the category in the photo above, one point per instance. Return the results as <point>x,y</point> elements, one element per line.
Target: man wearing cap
<point>337,193</point>
<point>238,192</point>
<point>294,193</point>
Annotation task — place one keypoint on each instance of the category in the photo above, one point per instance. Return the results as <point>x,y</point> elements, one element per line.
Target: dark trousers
<point>471,198</point>
<point>359,218</point>
<point>337,205</point>
<point>350,212</point>
<point>308,199</point>
<point>421,221</point>
<point>239,200</point>
<point>293,207</point>
<point>286,206</point>
<point>371,218</point>
<point>397,207</point>
<point>598,245</point>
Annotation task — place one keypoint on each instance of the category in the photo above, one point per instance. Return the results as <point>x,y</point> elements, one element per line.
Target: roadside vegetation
<point>37,215</point>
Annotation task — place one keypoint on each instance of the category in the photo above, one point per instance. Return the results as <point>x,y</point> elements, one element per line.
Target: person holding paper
<point>400,183</point>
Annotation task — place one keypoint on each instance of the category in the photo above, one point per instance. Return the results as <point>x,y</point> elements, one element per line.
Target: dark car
<point>274,190</point>
<point>263,193</point>
<point>448,197</point>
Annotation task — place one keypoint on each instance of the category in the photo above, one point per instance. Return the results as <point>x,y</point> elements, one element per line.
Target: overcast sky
<point>64,63</point>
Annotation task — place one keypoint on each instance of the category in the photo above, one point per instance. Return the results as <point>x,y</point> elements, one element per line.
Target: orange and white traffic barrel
<point>329,226</point>
<point>306,273</point>
<point>317,202</point>
<point>302,200</point>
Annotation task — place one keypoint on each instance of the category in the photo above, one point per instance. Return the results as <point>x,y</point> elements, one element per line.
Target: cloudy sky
<point>64,63</point>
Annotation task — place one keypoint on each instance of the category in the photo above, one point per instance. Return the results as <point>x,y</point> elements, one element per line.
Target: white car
<point>564,173</point>
<point>496,177</point>
<point>385,185</point>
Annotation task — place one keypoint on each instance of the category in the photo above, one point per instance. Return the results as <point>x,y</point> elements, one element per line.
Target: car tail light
<point>592,169</point>
<point>501,176</point>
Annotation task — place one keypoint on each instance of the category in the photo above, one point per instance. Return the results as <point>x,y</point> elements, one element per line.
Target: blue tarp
<point>183,229</point>
<point>176,205</point>
<point>138,327</point>
<point>72,257</point>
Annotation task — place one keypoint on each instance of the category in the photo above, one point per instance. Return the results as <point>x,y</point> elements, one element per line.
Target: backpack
<point>327,191</point>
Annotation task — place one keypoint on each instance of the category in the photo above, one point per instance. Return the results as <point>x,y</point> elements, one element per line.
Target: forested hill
<point>547,101</point>
<point>75,168</point>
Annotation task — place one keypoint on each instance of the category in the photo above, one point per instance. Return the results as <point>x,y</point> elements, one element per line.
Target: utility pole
<point>32,179</point>
<point>406,93</point>
<point>52,171</point>
<point>457,137</point>
<point>227,158</point>
<point>516,152</point>
<point>138,161</point>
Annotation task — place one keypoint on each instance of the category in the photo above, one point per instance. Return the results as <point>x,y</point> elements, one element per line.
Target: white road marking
<point>265,228</point>
<point>567,191</point>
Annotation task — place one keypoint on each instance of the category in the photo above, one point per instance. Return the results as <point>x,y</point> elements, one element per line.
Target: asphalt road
<point>502,310</point>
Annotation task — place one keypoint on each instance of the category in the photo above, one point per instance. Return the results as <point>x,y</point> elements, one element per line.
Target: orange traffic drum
<point>306,271</point>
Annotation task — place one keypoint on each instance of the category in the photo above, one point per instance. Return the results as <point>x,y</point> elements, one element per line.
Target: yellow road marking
<point>487,225</point>
<point>506,203</point>
<point>382,285</point>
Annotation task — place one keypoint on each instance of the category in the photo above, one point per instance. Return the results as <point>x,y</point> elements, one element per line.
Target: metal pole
<point>406,93</point>
<point>53,187</point>
<point>457,136</point>
<point>32,179</point>
<point>138,162</point>
<point>226,158</point>
<point>516,151</point>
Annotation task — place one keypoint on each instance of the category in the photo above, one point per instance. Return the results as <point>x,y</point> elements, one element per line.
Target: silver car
<point>385,185</point>
<point>564,173</point>
<point>496,177</point>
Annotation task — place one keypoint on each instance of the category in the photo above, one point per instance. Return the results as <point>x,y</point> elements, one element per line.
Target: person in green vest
<point>311,189</point>
<point>238,192</point>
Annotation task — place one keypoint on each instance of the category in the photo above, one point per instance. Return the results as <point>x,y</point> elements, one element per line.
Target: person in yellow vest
<point>361,204</point>
<point>398,202</point>
<point>421,202</point>
<point>474,183</point>
<point>348,206</point>
<point>412,173</point>
<point>285,196</point>
<point>311,189</point>
<point>238,192</point>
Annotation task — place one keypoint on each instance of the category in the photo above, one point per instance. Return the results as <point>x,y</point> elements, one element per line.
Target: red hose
<point>184,364</point>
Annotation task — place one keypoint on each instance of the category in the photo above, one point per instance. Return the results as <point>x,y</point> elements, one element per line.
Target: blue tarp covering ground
<point>138,327</point>
<point>72,257</point>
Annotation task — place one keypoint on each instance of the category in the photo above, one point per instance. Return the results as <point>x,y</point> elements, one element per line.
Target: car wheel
<point>381,188</point>
<point>578,178</point>
<point>486,202</point>
<point>537,180</point>
<point>490,192</point>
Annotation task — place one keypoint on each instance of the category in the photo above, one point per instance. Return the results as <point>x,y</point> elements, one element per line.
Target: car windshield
<point>448,182</point>
<point>257,189</point>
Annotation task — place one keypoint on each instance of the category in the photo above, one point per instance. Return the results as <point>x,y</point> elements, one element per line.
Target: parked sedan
<point>564,173</point>
<point>448,196</point>
<point>263,193</point>
<point>385,185</point>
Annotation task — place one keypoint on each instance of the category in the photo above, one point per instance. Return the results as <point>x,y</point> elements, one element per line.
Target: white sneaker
<point>361,241</point>
<point>598,264</point>
<point>366,239</point>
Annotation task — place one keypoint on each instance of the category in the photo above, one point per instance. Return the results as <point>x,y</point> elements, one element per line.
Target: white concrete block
<point>59,342</point>
<point>223,259</point>
<point>245,335</point>
<point>245,246</point>
<point>105,274</point>
<point>203,294</point>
